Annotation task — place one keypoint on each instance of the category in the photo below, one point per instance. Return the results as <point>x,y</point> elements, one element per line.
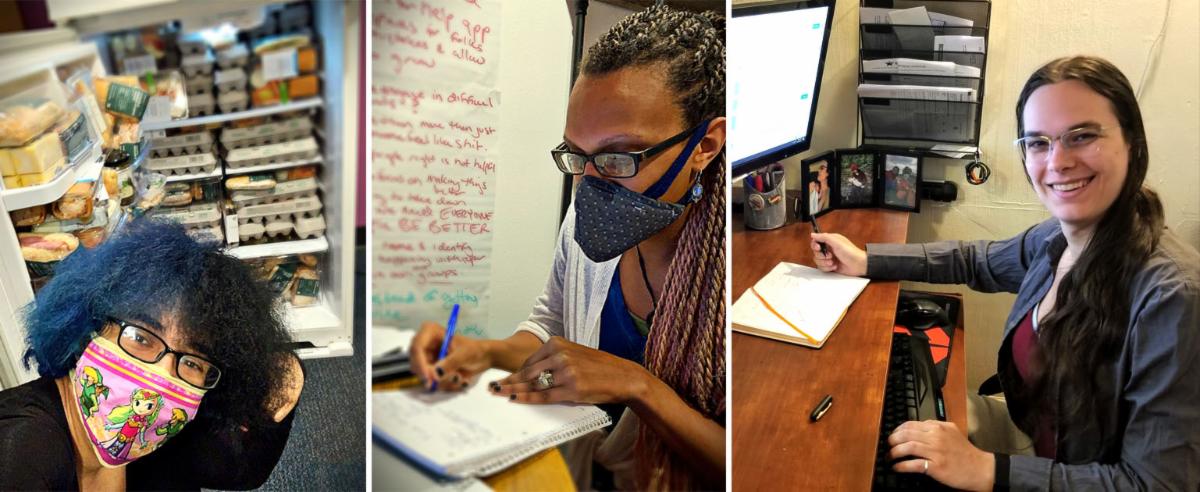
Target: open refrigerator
<point>315,164</point>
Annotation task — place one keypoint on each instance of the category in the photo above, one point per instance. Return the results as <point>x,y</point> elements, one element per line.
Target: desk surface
<point>776,385</point>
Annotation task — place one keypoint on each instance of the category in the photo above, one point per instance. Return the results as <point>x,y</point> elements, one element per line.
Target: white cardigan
<point>574,296</point>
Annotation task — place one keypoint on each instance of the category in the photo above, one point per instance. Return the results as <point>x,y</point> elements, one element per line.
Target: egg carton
<point>200,84</point>
<point>274,153</point>
<point>200,105</point>
<point>236,56</point>
<point>280,227</point>
<point>233,79</point>
<point>193,65</point>
<point>270,133</point>
<point>232,102</point>
<point>286,190</point>
<point>184,164</point>
<point>206,234</point>
<point>296,209</point>
<point>251,230</point>
<point>194,216</point>
<point>310,227</point>
<point>185,144</point>
<point>192,46</point>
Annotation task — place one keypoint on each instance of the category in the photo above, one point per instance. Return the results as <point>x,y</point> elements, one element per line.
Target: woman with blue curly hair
<point>164,364</point>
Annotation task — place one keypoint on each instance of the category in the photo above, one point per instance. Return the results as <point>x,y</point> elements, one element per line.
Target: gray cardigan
<point>1150,427</point>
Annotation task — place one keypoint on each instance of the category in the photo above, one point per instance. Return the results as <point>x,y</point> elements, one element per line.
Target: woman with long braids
<point>1100,353</point>
<point>633,315</point>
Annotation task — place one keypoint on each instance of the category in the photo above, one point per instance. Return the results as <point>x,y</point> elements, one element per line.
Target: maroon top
<point>1024,344</point>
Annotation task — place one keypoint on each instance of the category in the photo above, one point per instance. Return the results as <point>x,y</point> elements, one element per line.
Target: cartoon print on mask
<point>132,420</point>
<point>91,388</point>
<point>169,429</point>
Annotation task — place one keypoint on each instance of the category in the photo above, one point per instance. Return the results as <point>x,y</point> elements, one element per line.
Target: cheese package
<point>12,182</point>
<point>45,176</point>
<point>39,155</point>
<point>7,166</point>
<point>122,96</point>
<point>22,122</point>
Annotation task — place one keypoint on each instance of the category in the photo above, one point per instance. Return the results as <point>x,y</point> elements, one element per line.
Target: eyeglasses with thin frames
<point>612,164</point>
<point>146,346</point>
<point>1037,148</point>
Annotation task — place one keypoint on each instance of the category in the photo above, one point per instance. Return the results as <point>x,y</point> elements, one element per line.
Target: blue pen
<point>446,341</point>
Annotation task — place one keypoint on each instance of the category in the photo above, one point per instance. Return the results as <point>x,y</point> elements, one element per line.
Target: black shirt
<point>36,450</point>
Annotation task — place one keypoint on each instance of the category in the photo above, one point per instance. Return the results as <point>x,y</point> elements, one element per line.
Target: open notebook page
<point>812,300</point>
<point>475,432</point>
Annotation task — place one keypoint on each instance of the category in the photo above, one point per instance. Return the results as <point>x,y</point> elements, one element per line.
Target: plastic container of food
<point>296,278</point>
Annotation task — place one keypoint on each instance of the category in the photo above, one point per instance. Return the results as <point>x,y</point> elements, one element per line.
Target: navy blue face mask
<point>610,219</point>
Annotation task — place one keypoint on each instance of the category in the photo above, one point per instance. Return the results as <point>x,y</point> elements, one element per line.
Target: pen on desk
<point>824,252</point>
<point>446,340</point>
<point>822,407</point>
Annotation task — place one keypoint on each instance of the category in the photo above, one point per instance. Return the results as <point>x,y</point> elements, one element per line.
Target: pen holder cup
<point>765,210</point>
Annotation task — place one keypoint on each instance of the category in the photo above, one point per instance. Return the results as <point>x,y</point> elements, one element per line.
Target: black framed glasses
<point>146,346</point>
<point>612,164</point>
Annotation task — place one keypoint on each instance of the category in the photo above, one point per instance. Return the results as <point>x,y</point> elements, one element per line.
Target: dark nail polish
<point>494,386</point>
<point>439,371</point>
<point>455,379</point>
<point>465,384</point>
<point>512,397</point>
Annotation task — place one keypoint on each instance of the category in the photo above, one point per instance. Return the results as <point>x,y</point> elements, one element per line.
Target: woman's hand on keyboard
<point>940,450</point>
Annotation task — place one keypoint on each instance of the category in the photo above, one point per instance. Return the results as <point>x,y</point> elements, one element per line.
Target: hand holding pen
<point>447,362</point>
<point>835,253</point>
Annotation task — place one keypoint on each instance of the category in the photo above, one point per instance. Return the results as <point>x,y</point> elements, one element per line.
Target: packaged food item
<point>151,191</point>
<point>178,194</point>
<point>21,122</point>
<point>182,144</point>
<point>232,102</point>
<point>73,133</point>
<point>268,133</point>
<point>234,56</point>
<point>126,133</point>
<point>169,84</point>
<point>250,182</point>
<point>43,251</point>
<point>76,203</point>
<point>307,287</point>
<point>310,227</point>
<point>294,173</point>
<point>184,164</point>
<point>122,96</point>
<point>44,176</point>
<point>39,155</point>
<point>91,237</point>
<point>81,96</point>
<point>207,190</point>
<point>12,182</point>
<point>8,167</point>
<point>122,164</point>
<point>280,42</point>
<point>108,176</point>
<point>283,91</point>
<point>28,217</point>
<point>201,104</point>
<point>233,79</point>
<point>294,150</point>
<point>283,190</point>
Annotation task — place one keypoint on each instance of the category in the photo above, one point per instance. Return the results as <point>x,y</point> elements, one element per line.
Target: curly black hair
<point>154,271</point>
<point>690,44</point>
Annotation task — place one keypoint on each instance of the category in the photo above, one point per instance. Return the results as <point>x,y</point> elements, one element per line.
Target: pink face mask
<point>128,407</point>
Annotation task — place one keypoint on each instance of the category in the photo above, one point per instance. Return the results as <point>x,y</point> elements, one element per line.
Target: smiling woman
<point>1098,357</point>
<point>164,365</point>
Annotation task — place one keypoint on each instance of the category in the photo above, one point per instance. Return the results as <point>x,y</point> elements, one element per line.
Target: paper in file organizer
<point>923,92</point>
<point>811,300</point>
<point>473,432</point>
<point>911,66</point>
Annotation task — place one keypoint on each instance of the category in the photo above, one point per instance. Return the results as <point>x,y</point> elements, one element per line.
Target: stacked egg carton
<point>231,79</point>
<point>202,221</point>
<point>289,206</point>
<point>197,66</point>
<point>189,153</point>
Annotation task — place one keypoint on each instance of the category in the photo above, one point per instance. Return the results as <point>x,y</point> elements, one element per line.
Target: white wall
<point>535,67</point>
<point>1024,35</point>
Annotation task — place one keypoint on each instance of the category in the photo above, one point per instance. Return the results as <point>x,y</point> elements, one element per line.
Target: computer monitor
<point>775,60</point>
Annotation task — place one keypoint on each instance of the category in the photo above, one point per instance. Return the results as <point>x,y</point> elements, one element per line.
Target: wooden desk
<point>776,385</point>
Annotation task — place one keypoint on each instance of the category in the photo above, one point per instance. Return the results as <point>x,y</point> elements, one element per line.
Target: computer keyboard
<point>911,393</point>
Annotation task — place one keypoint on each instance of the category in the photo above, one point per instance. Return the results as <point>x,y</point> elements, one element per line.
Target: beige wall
<point>1025,34</point>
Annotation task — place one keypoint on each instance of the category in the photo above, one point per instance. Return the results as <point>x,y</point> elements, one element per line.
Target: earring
<point>697,191</point>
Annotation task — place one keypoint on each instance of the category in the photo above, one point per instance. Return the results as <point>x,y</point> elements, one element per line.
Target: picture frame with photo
<point>816,185</point>
<point>855,179</point>
<point>899,181</point>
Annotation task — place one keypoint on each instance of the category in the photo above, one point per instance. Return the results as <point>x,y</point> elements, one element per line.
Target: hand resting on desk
<point>843,256</point>
<point>581,375</point>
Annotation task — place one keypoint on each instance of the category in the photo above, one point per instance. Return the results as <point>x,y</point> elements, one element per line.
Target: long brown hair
<point>686,345</point>
<point>1092,306</point>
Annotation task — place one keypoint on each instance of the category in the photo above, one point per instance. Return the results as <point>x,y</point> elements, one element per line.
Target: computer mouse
<point>921,314</point>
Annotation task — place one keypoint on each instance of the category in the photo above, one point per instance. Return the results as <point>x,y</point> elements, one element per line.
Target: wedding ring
<point>545,380</point>
<point>926,470</point>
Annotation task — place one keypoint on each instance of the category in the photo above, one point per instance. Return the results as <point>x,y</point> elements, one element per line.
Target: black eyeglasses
<point>611,164</point>
<point>144,345</point>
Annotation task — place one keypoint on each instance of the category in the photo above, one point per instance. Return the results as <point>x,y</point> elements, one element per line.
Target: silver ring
<point>926,470</point>
<point>545,380</point>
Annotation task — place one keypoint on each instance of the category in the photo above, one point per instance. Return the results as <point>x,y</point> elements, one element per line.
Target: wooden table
<point>776,385</point>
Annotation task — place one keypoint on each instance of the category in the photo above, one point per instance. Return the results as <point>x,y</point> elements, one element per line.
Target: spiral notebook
<point>474,433</point>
